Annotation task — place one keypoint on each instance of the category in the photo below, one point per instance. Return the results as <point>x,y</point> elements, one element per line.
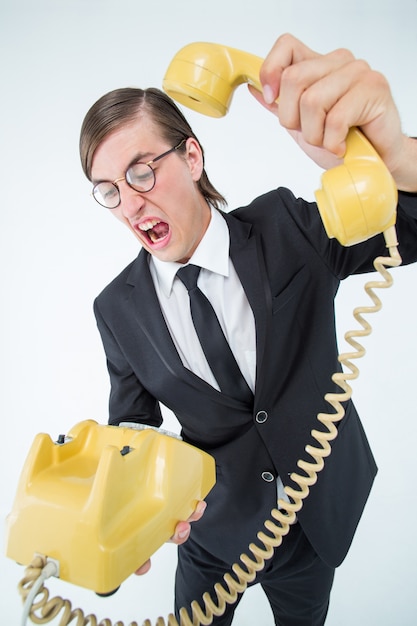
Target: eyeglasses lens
<point>140,176</point>
<point>107,195</point>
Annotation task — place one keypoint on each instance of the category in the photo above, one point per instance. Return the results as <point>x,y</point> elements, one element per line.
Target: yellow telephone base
<point>102,501</point>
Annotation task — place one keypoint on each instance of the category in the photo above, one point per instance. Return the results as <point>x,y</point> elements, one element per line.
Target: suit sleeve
<point>357,259</point>
<point>129,401</point>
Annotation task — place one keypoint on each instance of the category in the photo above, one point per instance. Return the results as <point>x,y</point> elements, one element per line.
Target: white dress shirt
<point>219,282</point>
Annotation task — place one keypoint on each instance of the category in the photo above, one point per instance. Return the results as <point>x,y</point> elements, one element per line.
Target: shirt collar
<point>212,254</point>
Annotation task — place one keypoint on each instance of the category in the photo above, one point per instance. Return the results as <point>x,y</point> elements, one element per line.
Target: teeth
<point>148,225</point>
<point>152,237</point>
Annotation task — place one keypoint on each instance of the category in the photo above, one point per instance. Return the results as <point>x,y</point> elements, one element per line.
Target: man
<point>271,274</point>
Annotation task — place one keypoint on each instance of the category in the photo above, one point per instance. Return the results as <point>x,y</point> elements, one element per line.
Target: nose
<point>131,201</point>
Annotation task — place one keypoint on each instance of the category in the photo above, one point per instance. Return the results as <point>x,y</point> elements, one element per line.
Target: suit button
<point>261,417</point>
<point>268,477</point>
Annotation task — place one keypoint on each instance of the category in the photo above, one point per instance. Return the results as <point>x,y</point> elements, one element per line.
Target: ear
<point>194,158</point>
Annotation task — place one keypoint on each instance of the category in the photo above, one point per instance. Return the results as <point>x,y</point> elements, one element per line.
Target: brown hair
<point>120,107</point>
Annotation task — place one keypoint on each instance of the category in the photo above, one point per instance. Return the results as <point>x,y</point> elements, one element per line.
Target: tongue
<point>159,231</point>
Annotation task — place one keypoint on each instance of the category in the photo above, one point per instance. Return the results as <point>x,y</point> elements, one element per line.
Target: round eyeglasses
<point>139,176</point>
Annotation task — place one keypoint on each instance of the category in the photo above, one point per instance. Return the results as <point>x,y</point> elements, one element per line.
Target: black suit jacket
<point>290,272</point>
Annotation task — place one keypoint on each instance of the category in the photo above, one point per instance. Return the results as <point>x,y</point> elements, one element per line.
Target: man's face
<point>171,219</point>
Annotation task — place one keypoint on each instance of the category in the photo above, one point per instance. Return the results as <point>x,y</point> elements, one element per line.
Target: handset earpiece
<point>203,76</point>
<point>358,198</point>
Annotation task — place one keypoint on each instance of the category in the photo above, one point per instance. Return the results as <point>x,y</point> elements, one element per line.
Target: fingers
<point>198,513</point>
<point>328,102</point>
<point>182,532</point>
<point>183,529</point>
<point>286,52</point>
<point>271,106</point>
<point>322,95</point>
<point>144,568</point>
<point>310,86</point>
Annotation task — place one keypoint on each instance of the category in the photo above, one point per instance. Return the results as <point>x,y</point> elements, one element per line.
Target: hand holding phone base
<point>103,499</point>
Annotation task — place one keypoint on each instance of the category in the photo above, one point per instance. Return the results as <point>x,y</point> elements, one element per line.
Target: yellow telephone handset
<point>358,198</point>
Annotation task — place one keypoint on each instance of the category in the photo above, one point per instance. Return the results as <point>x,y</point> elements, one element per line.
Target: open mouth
<point>155,230</point>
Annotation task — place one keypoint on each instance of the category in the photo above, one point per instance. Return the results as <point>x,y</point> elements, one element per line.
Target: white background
<point>59,250</point>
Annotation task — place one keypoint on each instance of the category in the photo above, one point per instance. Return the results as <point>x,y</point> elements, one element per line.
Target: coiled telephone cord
<point>285,515</point>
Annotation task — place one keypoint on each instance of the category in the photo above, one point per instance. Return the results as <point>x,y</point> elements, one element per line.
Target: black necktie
<point>215,347</point>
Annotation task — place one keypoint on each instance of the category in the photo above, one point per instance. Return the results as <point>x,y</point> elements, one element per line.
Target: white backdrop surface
<point>58,250</point>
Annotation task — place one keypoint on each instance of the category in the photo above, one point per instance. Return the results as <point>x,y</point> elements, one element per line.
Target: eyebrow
<point>144,157</point>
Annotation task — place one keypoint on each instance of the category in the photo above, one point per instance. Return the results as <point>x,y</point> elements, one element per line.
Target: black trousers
<point>296,581</point>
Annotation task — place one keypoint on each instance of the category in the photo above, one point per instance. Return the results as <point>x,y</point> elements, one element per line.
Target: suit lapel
<point>146,309</point>
<point>245,252</point>
<point>247,259</point>
<point>148,314</point>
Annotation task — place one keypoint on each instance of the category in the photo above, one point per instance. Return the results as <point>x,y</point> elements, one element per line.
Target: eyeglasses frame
<point>148,163</point>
